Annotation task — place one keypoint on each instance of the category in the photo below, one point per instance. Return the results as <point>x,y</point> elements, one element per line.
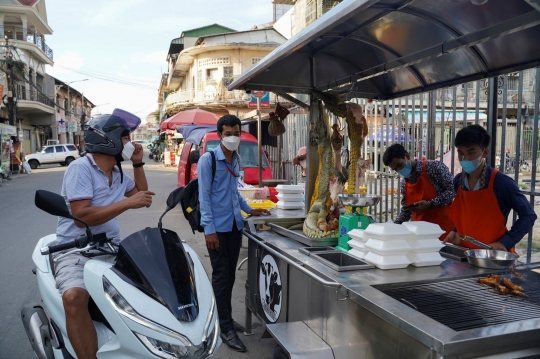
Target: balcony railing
<point>17,33</point>
<point>33,95</point>
<point>211,94</point>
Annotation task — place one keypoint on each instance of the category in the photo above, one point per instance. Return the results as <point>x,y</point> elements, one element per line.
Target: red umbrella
<point>190,117</point>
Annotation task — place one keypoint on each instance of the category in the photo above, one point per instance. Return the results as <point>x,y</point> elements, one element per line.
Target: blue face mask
<point>470,165</point>
<point>406,170</point>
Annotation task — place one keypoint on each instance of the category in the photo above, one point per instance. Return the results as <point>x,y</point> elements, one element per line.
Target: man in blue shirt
<point>220,205</point>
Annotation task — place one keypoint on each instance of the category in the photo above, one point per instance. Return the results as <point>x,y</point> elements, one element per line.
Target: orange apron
<point>423,190</point>
<point>477,214</point>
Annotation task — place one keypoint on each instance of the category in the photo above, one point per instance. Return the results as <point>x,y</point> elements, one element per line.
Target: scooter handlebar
<point>80,242</point>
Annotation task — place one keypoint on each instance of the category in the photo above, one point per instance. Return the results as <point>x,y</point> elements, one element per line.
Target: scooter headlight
<point>170,351</point>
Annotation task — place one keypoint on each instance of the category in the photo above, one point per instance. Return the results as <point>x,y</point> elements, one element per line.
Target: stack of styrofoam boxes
<point>387,245</point>
<point>424,243</point>
<point>290,196</point>
<point>357,243</point>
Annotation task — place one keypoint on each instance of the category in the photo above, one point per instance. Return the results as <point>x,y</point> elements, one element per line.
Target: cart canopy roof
<point>391,48</point>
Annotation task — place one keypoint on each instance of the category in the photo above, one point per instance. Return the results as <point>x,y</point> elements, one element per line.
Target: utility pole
<point>11,96</point>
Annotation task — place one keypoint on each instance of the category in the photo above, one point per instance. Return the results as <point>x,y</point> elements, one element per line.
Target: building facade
<point>29,101</point>
<point>204,61</point>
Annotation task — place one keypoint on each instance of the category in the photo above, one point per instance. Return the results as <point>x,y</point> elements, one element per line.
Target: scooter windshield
<point>155,262</point>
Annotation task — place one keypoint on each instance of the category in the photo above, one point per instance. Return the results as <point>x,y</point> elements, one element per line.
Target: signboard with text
<point>263,95</point>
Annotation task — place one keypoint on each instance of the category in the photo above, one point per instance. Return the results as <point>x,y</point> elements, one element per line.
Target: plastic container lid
<point>423,228</point>
<point>425,259</point>
<point>388,248</point>
<point>357,245</point>
<point>289,205</point>
<point>357,253</point>
<point>290,188</point>
<point>386,231</point>
<point>387,262</point>
<point>357,234</point>
<point>290,197</point>
<point>420,245</point>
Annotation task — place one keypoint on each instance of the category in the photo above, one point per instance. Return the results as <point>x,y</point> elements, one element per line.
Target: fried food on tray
<point>490,281</point>
<point>514,287</point>
<point>502,289</point>
<point>520,294</point>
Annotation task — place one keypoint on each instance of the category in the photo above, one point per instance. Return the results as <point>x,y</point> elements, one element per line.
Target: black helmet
<point>103,134</point>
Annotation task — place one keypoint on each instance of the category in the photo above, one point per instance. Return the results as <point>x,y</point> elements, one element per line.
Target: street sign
<point>61,128</point>
<point>72,126</point>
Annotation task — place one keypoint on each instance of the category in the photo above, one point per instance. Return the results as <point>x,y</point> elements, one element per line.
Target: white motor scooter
<point>150,298</point>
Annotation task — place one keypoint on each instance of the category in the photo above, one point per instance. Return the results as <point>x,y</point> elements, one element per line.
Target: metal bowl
<point>359,200</point>
<point>488,258</point>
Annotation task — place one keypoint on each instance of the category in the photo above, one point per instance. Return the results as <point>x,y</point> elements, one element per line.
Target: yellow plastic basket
<point>259,203</point>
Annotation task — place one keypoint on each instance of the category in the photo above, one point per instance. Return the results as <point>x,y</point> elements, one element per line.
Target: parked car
<point>187,167</point>
<point>62,154</point>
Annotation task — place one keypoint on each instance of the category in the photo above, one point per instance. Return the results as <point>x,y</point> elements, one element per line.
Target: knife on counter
<point>474,241</point>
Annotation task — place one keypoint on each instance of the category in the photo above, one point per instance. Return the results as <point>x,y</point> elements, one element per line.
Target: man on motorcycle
<point>97,191</point>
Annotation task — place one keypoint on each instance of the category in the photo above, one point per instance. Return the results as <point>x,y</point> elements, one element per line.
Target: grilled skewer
<point>502,289</point>
<point>520,294</point>
<point>514,287</point>
<point>516,274</point>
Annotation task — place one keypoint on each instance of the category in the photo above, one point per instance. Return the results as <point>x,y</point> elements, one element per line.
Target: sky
<point>126,42</point>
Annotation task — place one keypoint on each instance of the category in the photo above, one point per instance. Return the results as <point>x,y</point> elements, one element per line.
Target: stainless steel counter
<point>358,286</point>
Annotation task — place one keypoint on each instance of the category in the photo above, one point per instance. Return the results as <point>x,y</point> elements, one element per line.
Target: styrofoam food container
<point>424,245</point>
<point>423,228</point>
<point>357,234</point>
<point>357,245</point>
<point>387,248</point>
<point>425,259</point>
<point>387,262</point>
<point>357,253</point>
<point>290,197</point>
<point>289,205</point>
<point>387,231</point>
<point>289,188</point>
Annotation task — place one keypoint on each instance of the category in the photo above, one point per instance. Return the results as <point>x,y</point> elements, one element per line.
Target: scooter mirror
<point>174,198</point>
<point>52,203</point>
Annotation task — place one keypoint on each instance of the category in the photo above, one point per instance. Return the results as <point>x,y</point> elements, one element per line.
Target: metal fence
<point>426,126</point>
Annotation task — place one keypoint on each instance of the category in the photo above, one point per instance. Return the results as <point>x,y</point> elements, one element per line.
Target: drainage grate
<point>464,304</point>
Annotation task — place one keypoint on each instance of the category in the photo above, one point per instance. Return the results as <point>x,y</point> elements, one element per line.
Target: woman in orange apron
<point>427,188</point>
<point>484,197</point>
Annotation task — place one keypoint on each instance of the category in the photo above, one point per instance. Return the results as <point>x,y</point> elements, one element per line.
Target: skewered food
<point>502,289</point>
<point>520,294</point>
<point>516,274</point>
<point>508,283</point>
<point>489,281</point>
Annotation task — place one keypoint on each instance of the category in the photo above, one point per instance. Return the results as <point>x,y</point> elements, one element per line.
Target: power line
<point>109,78</point>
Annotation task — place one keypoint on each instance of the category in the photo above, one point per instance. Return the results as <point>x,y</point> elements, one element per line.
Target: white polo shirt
<point>84,180</point>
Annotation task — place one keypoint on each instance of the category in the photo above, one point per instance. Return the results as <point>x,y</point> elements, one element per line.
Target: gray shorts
<point>69,272</point>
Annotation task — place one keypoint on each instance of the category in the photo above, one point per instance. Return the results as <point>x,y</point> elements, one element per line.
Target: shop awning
<point>391,48</point>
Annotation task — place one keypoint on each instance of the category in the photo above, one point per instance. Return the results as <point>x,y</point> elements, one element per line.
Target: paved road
<point>22,224</point>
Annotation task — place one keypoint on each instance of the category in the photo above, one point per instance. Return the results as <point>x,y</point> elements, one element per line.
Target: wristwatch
<point>137,165</point>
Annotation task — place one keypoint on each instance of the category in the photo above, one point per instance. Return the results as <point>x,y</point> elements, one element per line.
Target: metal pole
<point>69,116</point>
<point>259,139</point>
<point>492,120</point>
<point>431,126</point>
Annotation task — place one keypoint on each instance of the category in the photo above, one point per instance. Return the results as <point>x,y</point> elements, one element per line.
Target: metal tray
<point>299,236</point>
<point>340,261</point>
<point>308,250</point>
<point>454,252</point>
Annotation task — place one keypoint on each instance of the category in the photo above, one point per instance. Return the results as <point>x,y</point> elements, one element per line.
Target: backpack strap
<point>213,165</point>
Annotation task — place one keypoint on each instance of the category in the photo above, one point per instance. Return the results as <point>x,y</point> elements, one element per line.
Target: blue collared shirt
<point>220,202</point>
<point>508,197</point>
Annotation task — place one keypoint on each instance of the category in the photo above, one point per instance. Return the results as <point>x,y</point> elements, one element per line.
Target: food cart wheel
<point>279,353</point>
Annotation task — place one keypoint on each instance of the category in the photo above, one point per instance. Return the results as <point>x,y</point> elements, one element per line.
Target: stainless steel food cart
<point>383,50</point>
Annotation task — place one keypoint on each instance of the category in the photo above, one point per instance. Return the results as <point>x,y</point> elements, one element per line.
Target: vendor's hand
<point>212,241</point>
<point>420,206</point>
<point>140,199</point>
<point>498,246</point>
<point>260,212</point>
<point>452,238</point>
<point>138,154</point>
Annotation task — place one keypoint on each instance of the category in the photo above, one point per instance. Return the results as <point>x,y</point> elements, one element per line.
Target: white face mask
<point>303,163</point>
<point>128,150</point>
<point>231,142</point>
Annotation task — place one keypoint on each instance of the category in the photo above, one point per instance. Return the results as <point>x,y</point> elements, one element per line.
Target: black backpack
<point>190,200</point>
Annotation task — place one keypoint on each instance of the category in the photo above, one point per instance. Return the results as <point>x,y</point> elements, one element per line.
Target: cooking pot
<point>489,258</point>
